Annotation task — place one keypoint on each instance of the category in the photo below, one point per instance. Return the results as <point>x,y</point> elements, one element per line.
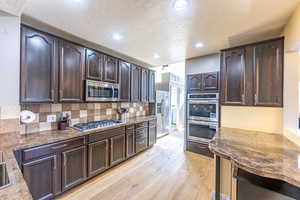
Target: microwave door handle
<point>113,92</point>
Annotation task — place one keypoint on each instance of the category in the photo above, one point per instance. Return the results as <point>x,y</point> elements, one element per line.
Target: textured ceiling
<point>153,26</point>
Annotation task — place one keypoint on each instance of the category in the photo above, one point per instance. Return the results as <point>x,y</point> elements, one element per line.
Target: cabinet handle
<point>60,94</point>
<point>65,160</point>
<point>243,98</point>
<point>256,98</point>
<point>142,142</point>
<point>59,146</point>
<point>55,163</point>
<point>52,93</point>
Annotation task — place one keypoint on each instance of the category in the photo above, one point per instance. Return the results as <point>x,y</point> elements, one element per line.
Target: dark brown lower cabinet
<point>54,168</point>
<point>141,141</point>
<point>42,177</point>
<point>152,135</point>
<point>73,167</point>
<point>117,149</point>
<point>130,142</point>
<point>98,157</point>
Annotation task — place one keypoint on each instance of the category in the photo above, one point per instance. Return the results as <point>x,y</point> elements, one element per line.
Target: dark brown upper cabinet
<point>111,69</point>
<point>194,82</point>
<point>152,90</point>
<point>210,81</point>
<point>135,83</point>
<point>124,79</point>
<point>94,65</point>
<point>203,82</point>
<point>38,67</point>
<point>252,75</point>
<point>233,77</point>
<point>71,72</point>
<point>144,85</point>
<point>268,70</point>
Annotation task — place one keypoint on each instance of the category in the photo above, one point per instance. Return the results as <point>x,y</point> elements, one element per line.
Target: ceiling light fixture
<point>180,4</point>
<point>199,45</point>
<point>156,56</point>
<point>117,36</point>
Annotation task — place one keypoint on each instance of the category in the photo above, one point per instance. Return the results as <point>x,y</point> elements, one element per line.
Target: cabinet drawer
<point>141,125</point>
<point>152,122</point>
<point>141,133</point>
<point>94,137</point>
<point>130,127</point>
<point>141,144</point>
<point>37,152</point>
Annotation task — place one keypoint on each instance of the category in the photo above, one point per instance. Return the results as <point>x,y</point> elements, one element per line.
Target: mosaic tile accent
<point>79,113</point>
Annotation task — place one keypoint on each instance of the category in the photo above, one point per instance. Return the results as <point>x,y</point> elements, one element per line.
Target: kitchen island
<point>266,155</point>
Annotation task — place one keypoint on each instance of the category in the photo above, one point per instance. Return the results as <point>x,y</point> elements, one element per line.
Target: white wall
<point>9,60</point>
<point>202,64</point>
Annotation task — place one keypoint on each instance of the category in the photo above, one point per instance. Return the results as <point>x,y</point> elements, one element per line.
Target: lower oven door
<point>201,131</point>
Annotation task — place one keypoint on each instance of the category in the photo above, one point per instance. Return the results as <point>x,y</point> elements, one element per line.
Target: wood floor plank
<point>164,172</point>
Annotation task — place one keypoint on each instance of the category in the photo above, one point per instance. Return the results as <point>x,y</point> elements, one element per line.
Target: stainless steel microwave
<point>97,91</point>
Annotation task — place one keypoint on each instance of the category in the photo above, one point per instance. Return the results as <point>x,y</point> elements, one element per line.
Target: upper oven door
<point>203,110</point>
<point>101,91</point>
<point>199,131</point>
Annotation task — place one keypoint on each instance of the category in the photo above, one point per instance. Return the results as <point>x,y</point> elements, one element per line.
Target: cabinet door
<point>210,81</point>
<point>141,139</point>
<point>42,177</point>
<point>94,65</point>
<point>268,69</point>
<point>152,135</point>
<point>130,142</point>
<point>98,157</point>
<point>152,90</point>
<point>135,83</point>
<point>74,167</point>
<point>38,67</point>
<point>117,149</point>
<point>194,82</point>
<point>71,70</point>
<point>233,77</point>
<point>110,69</point>
<point>124,79</point>
<point>144,85</point>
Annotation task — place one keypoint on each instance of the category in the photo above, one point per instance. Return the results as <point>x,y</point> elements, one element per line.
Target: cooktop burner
<point>96,125</point>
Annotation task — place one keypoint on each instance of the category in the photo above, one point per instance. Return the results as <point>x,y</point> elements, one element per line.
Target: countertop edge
<point>231,158</point>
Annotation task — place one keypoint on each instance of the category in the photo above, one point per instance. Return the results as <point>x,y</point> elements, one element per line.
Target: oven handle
<point>113,92</point>
<point>202,123</point>
<point>202,102</point>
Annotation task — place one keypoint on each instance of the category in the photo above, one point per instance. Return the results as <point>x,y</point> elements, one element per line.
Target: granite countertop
<point>10,142</point>
<point>264,154</point>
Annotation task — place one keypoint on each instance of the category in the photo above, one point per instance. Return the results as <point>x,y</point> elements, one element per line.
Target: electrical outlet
<point>51,118</point>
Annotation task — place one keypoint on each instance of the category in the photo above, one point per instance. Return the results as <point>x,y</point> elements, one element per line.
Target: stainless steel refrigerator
<point>163,113</point>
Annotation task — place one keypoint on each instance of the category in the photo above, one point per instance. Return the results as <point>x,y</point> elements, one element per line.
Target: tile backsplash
<point>78,113</point>
<point>9,119</point>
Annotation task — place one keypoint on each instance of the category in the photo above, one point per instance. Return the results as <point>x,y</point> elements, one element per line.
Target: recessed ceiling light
<point>199,45</point>
<point>180,4</point>
<point>156,56</point>
<point>117,36</point>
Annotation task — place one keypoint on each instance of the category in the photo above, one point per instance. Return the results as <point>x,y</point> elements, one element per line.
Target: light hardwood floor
<point>163,172</point>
